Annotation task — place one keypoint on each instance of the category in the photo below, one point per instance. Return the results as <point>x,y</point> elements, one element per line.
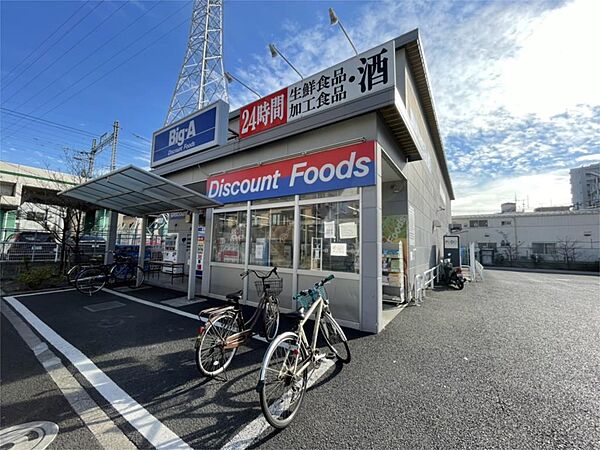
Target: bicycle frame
<point>237,339</point>
<point>317,309</point>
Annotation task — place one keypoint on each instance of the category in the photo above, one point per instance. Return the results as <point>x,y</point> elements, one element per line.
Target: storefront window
<point>272,237</point>
<point>329,237</point>
<point>229,237</point>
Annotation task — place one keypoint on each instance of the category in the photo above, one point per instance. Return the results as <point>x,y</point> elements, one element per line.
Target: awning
<point>136,192</point>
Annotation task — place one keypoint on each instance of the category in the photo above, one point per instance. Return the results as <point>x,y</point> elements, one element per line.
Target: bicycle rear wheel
<point>212,357</point>
<point>271,318</point>
<point>72,274</point>
<point>90,281</point>
<point>280,388</point>
<point>335,338</point>
<point>135,276</point>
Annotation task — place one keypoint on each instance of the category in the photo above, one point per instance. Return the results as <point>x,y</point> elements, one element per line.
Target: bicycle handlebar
<point>262,277</point>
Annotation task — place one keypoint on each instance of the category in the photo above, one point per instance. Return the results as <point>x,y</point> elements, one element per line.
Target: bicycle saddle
<point>235,296</point>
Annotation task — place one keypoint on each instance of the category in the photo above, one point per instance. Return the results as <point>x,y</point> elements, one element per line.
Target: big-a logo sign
<point>201,130</point>
<point>339,168</point>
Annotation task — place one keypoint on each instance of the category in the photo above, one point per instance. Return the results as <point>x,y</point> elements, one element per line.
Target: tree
<point>63,218</point>
<point>566,250</point>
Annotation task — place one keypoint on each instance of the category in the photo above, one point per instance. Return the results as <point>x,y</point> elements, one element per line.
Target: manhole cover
<point>28,436</point>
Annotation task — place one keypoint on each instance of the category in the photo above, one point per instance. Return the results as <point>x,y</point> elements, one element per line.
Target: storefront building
<point>322,177</point>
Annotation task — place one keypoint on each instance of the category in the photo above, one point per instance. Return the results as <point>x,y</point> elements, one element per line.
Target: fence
<point>576,255</point>
<point>28,248</point>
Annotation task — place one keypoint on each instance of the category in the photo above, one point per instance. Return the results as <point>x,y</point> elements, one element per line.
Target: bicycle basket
<point>273,286</point>
<point>303,301</point>
<point>322,292</point>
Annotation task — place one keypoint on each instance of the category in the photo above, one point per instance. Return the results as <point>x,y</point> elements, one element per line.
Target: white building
<point>546,234</point>
<point>585,186</point>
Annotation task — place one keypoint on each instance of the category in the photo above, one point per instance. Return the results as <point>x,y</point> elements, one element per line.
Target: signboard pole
<point>193,256</point>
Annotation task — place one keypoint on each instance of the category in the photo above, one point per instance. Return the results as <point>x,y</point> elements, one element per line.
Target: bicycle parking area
<point>143,341</point>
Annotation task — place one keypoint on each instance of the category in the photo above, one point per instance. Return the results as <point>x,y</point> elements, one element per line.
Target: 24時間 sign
<point>201,130</point>
<point>339,168</point>
<point>362,75</point>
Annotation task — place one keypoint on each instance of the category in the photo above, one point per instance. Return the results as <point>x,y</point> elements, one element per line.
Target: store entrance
<point>394,242</point>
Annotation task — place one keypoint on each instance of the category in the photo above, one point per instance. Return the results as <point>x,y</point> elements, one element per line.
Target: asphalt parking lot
<point>510,362</point>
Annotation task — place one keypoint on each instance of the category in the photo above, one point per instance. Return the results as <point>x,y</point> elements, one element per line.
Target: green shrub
<point>35,277</point>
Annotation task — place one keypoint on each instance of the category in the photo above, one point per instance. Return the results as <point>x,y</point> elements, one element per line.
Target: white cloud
<point>549,189</point>
<point>555,68</point>
<point>595,157</point>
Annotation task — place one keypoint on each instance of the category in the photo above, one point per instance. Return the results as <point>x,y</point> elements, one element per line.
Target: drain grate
<point>104,306</point>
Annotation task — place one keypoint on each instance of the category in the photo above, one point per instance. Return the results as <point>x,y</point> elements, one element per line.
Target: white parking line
<point>102,427</point>
<point>254,429</point>
<point>145,423</point>
<point>45,292</point>
<point>169,309</point>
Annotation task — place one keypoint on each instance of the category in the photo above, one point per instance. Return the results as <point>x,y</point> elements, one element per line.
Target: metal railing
<point>29,251</point>
<point>423,282</point>
<point>478,271</point>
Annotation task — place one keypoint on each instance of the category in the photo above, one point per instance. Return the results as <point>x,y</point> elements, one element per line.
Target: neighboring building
<point>28,196</point>
<point>585,186</point>
<point>23,190</point>
<point>546,234</point>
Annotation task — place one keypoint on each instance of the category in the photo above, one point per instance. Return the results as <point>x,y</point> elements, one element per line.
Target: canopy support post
<point>142,252</point>
<point>111,242</point>
<point>193,256</point>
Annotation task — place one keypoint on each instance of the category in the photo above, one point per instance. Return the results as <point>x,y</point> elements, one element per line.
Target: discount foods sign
<point>340,168</point>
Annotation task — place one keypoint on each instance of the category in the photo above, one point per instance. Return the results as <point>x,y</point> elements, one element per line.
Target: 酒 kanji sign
<point>362,75</point>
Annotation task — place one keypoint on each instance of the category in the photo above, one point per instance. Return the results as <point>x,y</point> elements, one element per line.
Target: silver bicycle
<point>291,357</point>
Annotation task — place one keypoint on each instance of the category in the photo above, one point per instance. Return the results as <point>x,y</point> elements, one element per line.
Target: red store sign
<point>268,112</point>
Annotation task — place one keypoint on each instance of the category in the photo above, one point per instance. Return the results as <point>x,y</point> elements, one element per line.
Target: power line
<point>92,53</point>
<point>39,119</point>
<point>64,128</point>
<point>55,60</point>
<point>119,65</point>
<point>59,39</point>
<point>46,40</point>
<point>94,70</point>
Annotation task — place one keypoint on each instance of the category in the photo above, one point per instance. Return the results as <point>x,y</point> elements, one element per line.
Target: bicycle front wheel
<point>335,338</point>
<point>212,354</point>
<point>90,281</point>
<point>271,318</point>
<point>281,387</point>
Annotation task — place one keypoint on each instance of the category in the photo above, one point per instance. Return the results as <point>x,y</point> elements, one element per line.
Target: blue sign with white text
<point>203,129</point>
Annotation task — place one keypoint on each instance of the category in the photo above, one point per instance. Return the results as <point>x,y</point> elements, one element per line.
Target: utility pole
<point>105,140</point>
<point>115,140</point>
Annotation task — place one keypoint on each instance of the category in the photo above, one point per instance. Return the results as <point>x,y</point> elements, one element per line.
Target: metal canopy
<point>136,192</point>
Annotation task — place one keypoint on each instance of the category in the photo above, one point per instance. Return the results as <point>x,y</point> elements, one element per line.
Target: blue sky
<point>515,84</point>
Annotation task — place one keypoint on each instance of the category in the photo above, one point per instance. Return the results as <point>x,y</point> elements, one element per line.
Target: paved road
<point>512,362</point>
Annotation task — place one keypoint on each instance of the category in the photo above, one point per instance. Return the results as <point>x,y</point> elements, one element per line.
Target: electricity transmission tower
<point>202,78</point>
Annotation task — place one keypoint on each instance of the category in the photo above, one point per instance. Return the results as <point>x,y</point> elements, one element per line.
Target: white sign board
<point>348,230</point>
<point>338,249</point>
<point>329,230</point>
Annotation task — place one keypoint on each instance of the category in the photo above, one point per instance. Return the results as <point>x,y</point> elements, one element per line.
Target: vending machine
<point>174,252</point>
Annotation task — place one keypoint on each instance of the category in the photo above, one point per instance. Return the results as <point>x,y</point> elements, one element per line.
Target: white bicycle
<point>285,368</point>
